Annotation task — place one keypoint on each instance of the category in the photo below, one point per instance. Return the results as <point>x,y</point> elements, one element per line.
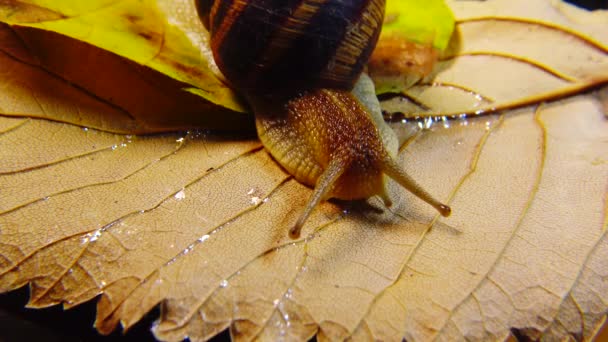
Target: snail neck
<point>309,131</point>
<point>327,139</point>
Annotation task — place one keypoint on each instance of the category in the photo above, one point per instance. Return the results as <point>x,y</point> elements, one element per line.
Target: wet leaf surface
<point>197,221</point>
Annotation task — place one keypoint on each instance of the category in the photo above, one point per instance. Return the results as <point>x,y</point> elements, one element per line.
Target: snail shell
<point>296,62</point>
<point>263,46</point>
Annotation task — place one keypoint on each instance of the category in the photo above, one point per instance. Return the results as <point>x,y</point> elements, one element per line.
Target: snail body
<point>296,63</point>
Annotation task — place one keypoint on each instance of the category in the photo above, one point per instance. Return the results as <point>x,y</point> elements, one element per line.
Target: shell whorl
<point>270,45</point>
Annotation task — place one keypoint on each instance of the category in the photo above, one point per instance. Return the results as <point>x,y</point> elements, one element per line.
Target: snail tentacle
<point>396,172</point>
<point>322,190</point>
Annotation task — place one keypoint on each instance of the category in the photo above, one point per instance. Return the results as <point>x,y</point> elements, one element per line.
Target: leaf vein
<point>585,39</point>
<point>408,257</point>
<point>542,152</point>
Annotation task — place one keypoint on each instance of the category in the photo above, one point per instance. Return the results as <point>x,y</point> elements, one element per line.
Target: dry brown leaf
<point>197,222</point>
<point>147,73</point>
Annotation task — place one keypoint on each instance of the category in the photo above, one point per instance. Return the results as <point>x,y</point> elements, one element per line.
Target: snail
<point>296,62</point>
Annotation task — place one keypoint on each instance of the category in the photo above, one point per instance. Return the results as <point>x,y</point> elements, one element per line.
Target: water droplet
<point>86,129</point>
<point>102,283</point>
<point>275,302</point>
<point>429,123</point>
<point>180,195</point>
<point>95,235</point>
<point>203,238</point>
<point>256,196</point>
<point>224,283</point>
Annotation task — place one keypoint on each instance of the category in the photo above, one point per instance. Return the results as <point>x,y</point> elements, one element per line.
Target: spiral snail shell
<point>296,62</point>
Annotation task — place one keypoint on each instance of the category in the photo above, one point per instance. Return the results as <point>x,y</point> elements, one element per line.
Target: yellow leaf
<point>136,30</point>
<point>197,222</point>
<point>85,90</point>
<point>168,80</point>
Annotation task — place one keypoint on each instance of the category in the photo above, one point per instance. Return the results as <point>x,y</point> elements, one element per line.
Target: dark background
<point>55,324</point>
<point>590,4</point>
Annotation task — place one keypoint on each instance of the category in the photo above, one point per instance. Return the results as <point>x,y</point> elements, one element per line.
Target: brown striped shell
<point>270,45</point>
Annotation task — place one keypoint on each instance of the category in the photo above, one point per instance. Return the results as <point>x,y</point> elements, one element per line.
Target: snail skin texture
<point>296,62</point>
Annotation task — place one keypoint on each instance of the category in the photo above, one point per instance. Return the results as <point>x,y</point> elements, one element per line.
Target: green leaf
<point>431,22</point>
